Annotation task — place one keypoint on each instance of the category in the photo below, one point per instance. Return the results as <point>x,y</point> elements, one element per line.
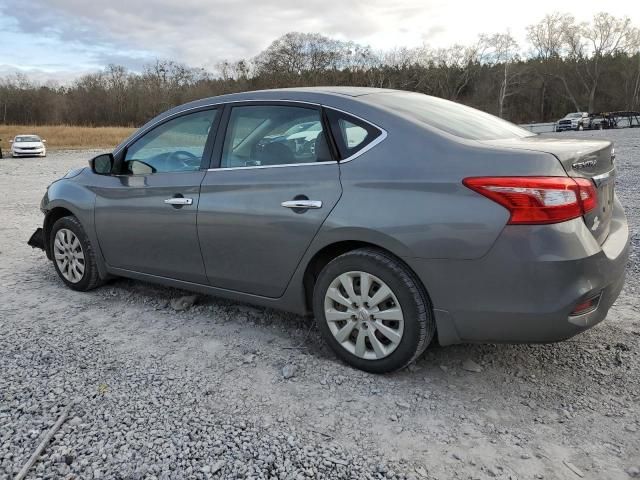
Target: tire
<point>412,334</point>
<point>89,278</point>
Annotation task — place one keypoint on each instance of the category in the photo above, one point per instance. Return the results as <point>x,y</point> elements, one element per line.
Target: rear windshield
<point>451,117</point>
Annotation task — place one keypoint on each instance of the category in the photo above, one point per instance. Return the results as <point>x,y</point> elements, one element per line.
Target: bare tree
<point>634,52</point>
<point>456,67</point>
<point>574,64</point>
<point>547,39</point>
<point>590,43</point>
<point>502,53</point>
<point>296,53</point>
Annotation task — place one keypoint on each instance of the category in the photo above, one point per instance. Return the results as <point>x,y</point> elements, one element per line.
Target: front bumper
<point>37,239</point>
<point>525,288</point>
<point>28,153</point>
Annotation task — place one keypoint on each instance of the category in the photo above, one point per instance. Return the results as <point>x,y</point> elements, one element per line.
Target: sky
<point>62,39</point>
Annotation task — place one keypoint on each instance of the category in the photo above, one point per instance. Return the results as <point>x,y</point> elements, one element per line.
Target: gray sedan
<point>397,219</point>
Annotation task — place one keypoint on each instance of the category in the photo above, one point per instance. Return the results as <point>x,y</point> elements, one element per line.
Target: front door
<point>146,215</point>
<point>263,204</point>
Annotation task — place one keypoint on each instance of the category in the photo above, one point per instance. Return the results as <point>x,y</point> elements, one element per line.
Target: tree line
<point>564,66</point>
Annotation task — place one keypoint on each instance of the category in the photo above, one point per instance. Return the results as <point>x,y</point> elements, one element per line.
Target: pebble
<point>183,303</point>
<point>289,371</point>
<point>574,469</point>
<point>217,466</point>
<point>471,366</point>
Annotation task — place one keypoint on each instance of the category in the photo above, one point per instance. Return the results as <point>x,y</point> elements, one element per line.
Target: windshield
<point>573,115</point>
<point>28,138</point>
<point>450,117</point>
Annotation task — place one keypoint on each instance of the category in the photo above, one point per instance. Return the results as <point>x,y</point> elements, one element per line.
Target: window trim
<point>381,137</point>
<point>216,157</point>
<point>221,125</point>
<point>120,155</point>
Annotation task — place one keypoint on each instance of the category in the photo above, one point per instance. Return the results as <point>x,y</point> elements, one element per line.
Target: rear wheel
<point>372,311</point>
<point>73,256</point>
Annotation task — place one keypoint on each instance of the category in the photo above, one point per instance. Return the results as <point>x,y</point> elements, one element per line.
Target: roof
<point>339,95</point>
<point>347,91</point>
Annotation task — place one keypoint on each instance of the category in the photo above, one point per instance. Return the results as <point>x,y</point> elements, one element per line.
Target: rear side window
<point>351,134</point>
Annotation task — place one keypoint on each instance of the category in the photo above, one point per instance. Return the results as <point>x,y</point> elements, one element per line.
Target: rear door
<point>274,181</point>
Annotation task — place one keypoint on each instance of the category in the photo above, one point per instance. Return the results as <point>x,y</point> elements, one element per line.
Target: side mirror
<point>10,141</point>
<point>102,164</point>
<point>44,141</point>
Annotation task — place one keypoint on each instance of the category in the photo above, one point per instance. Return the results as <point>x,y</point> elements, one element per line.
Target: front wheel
<point>73,256</point>
<point>372,311</point>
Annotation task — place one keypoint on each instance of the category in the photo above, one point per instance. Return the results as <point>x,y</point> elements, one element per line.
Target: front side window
<point>274,135</point>
<point>175,146</point>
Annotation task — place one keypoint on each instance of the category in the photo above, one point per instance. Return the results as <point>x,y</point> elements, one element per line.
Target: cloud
<point>202,32</point>
<point>53,77</point>
<point>85,34</point>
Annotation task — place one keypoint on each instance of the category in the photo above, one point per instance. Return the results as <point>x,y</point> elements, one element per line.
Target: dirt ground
<point>200,393</point>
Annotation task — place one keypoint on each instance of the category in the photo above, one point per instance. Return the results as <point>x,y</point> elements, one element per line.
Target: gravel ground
<point>224,390</point>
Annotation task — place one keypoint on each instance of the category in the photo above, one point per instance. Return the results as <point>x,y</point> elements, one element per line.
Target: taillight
<point>538,200</point>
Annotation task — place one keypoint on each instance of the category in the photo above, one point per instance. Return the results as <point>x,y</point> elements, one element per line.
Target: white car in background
<point>28,146</point>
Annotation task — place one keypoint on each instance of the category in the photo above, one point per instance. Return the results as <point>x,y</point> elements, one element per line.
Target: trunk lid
<point>585,158</point>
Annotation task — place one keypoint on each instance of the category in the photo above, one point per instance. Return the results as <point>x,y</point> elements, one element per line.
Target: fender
<point>80,201</point>
<point>294,298</point>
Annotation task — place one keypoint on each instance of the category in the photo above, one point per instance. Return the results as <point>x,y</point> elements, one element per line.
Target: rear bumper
<point>525,288</point>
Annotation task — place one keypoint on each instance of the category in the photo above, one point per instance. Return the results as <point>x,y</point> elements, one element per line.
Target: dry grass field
<point>67,136</point>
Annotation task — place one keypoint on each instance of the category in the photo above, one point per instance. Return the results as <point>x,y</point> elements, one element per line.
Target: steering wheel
<point>187,159</point>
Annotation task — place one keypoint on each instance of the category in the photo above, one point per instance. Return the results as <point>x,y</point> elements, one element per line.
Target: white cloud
<point>203,32</point>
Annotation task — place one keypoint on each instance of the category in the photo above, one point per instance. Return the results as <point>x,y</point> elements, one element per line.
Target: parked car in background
<point>414,219</point>
<point>28,146</point>
<point>573,121</point>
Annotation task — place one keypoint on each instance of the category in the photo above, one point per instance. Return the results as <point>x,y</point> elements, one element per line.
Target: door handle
<point>302,204</point>
<point>179,201</point>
